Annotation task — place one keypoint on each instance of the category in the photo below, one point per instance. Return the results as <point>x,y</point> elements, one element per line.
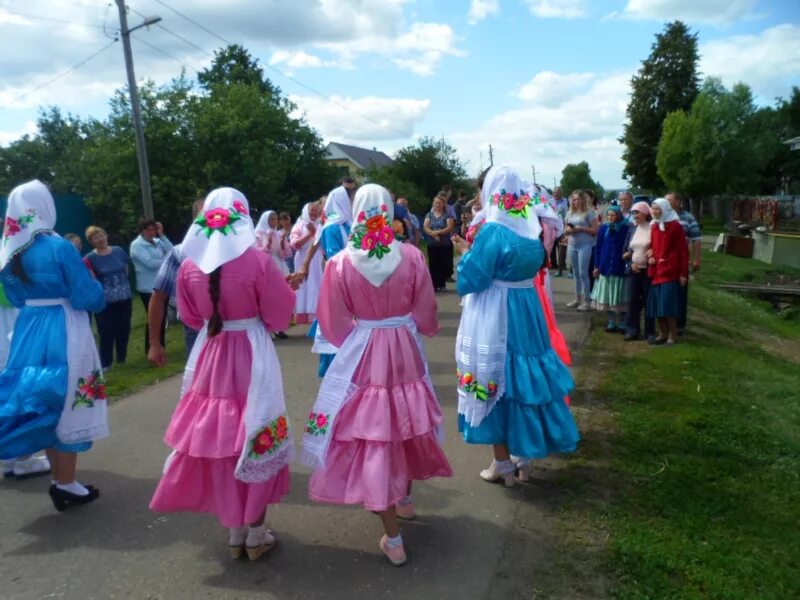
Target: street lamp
<point>136,111</point>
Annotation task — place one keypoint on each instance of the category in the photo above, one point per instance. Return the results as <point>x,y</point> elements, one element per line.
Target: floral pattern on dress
<point>317,424</point>
<point>516,205</point>
<point>91,389</point>
<point>14,226</point>
<point>468,384</point>
<point>372,232</point>
<point>270,438</point>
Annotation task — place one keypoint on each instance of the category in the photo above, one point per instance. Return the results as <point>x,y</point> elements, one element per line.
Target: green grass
<point>137,372</point>
<point>702,463</point>
<point>712,226</point>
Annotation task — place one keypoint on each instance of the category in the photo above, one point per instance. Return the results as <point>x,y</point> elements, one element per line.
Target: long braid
<point>215,322</point>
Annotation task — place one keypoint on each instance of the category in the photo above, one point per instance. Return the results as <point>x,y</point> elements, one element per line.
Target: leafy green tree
<point>666,82</point>
<point>579,177</point>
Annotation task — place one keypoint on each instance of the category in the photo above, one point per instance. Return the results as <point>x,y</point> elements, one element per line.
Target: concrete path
<point>117,548</point>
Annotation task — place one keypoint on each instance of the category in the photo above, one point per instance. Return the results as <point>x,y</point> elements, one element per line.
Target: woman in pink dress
<point>302,238</point>
<point>373,428</point>
<point>230,434</point>
<point>270,238</point>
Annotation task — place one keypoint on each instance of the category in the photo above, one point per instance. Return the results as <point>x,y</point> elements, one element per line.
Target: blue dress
<point>331,243</point>
<point>33,385</point>
<point>531,417</point>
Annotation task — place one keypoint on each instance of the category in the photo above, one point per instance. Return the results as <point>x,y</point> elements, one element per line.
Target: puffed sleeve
<point>83,291</point>
<point>424,307</point>
<point>335,309</point>
<point>477,267</point>
<point>298,232</point>
<point>187,308</point>
<point>331,241</point>
<point>275,297</point>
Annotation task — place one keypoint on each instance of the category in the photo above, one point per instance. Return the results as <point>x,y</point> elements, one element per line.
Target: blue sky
<point>544,81</point>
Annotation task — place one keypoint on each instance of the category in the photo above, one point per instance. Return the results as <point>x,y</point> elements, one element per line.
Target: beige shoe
<point>585,307</point>
<point>494,472</point>
<point>396,555</point>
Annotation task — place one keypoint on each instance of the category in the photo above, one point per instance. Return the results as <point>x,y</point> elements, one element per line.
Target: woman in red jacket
<point>668,260</point>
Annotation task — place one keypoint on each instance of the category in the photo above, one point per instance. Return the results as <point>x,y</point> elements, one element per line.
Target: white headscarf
<point>222,232</point>
<point>304,221</point>
<point>372,247</point>
<point>31,210</point>
<point>506,201</point>
<point>263,223</point>
<point>337,211</point>
<point>667,213</point>
<point>544,209</point>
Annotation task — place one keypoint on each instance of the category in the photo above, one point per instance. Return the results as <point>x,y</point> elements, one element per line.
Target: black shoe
<point>62,499</point>
<point>281,335</point>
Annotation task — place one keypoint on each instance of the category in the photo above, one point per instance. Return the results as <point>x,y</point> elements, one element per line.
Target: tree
<point>579,177</point>
<point>666,82</point>
<point>712,148</point>
<point>422,170</point>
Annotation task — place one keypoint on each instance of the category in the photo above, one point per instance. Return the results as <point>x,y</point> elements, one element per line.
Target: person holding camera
<point>148,251</point>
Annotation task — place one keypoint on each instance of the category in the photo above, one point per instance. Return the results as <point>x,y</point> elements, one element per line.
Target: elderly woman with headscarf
<point>302,239</point>
<point>636,248</point>
<point>611,292</point>
<point>511,383</point>
<point>52,391</point>
<point>373,428</point>
<point>668,268</point>
<point>230,433</point>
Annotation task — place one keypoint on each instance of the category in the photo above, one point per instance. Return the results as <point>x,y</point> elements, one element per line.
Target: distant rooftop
<point>362,157</point>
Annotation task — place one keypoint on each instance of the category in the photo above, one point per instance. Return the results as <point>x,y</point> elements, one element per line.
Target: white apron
<point>481,347</point>
<point>85,414</point>
<point>308,293</point>
<point>338,388</point>
<point>269,445</point>
<point>8,317</point>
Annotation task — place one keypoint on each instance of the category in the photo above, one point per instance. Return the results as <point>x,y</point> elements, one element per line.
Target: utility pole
<point>136,111</point>
<point>533,168</point>
<point>491,156</point>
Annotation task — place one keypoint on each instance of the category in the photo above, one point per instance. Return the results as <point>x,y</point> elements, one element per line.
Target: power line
<point>159,50</point>
<point>59,76</point>
<point>276,70</point>
<point>175,35</point>
<point>51,19</point>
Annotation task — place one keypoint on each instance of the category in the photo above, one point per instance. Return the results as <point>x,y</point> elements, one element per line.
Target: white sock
<point>259,535</point>
<point>73,488</point>
<point>236,535</point>
<point>406,500</point>
<point>394,542</point>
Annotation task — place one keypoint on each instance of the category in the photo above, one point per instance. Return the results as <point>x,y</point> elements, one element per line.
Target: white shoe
<point>574,304</point>
<point>523,466</point>
<point>31,467</point>
<point>584,307</point>
<point>495,472</point>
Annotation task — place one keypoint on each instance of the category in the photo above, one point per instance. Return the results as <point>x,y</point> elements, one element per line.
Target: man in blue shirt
<point>414,226</point>
<point>148,251</point>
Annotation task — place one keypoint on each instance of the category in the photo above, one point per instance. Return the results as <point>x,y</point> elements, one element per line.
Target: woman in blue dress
<point>511,383</point>
<point>52,392</point>
<point>332,238</point>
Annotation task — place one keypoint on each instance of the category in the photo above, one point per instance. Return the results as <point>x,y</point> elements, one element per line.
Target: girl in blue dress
<point>52,392</point>
<point>511,383</point>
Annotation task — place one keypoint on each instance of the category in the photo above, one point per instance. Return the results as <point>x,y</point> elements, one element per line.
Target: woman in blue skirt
<point>52,392</point>
<point>511,383</point>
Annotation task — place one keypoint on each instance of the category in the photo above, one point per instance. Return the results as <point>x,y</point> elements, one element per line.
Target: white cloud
<point>583,125</point>
<point>768,62</point>
<point>6,137</point>
<point>361,120</point>
<point>716,12</point>
<point>480,9</point>
<point>553,9</point>
<point>553,89</point>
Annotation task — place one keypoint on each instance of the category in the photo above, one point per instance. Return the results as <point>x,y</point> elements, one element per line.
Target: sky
<point>544,82</point>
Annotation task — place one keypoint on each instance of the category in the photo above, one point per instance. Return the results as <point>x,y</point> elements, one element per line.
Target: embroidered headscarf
<point>372,247</point>
<point>506,201</point>
<point>544,208</point>
<point>221,232</point>
<point>667,213</point>
<point>31,210</point>
<point>619,222</point>
<point>337,212</point>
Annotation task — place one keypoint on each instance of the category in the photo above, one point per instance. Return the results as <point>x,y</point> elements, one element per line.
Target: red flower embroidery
<point>12,227</point>
<point>239,207</point>
<point>263,442</point>
<point>322,420</point>
<point>217,218</point>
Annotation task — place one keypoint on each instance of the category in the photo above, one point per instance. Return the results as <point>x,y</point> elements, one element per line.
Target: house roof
<point>362,157</point>
<point>794,143</point>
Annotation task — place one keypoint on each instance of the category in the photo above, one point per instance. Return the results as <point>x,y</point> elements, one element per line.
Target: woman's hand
<point>627,255</point>
<point>312,229</point>
<point>651,261</point>
<point>683,281</point>
<point>596,273</point>
<point>634,268</point>
<point>460,243</point>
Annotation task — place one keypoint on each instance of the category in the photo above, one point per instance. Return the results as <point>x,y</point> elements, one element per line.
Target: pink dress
<point>206,430</point>
<point>385,436</point>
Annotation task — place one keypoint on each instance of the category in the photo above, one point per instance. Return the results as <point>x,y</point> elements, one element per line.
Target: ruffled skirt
<point>33,386</point>
<point>532,418</point>
<point>610,293</point>
<point>385,436</point>
<point>207,434</point>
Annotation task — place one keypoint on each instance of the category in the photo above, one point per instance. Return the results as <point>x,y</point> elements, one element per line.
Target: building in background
<point>355,161</point>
